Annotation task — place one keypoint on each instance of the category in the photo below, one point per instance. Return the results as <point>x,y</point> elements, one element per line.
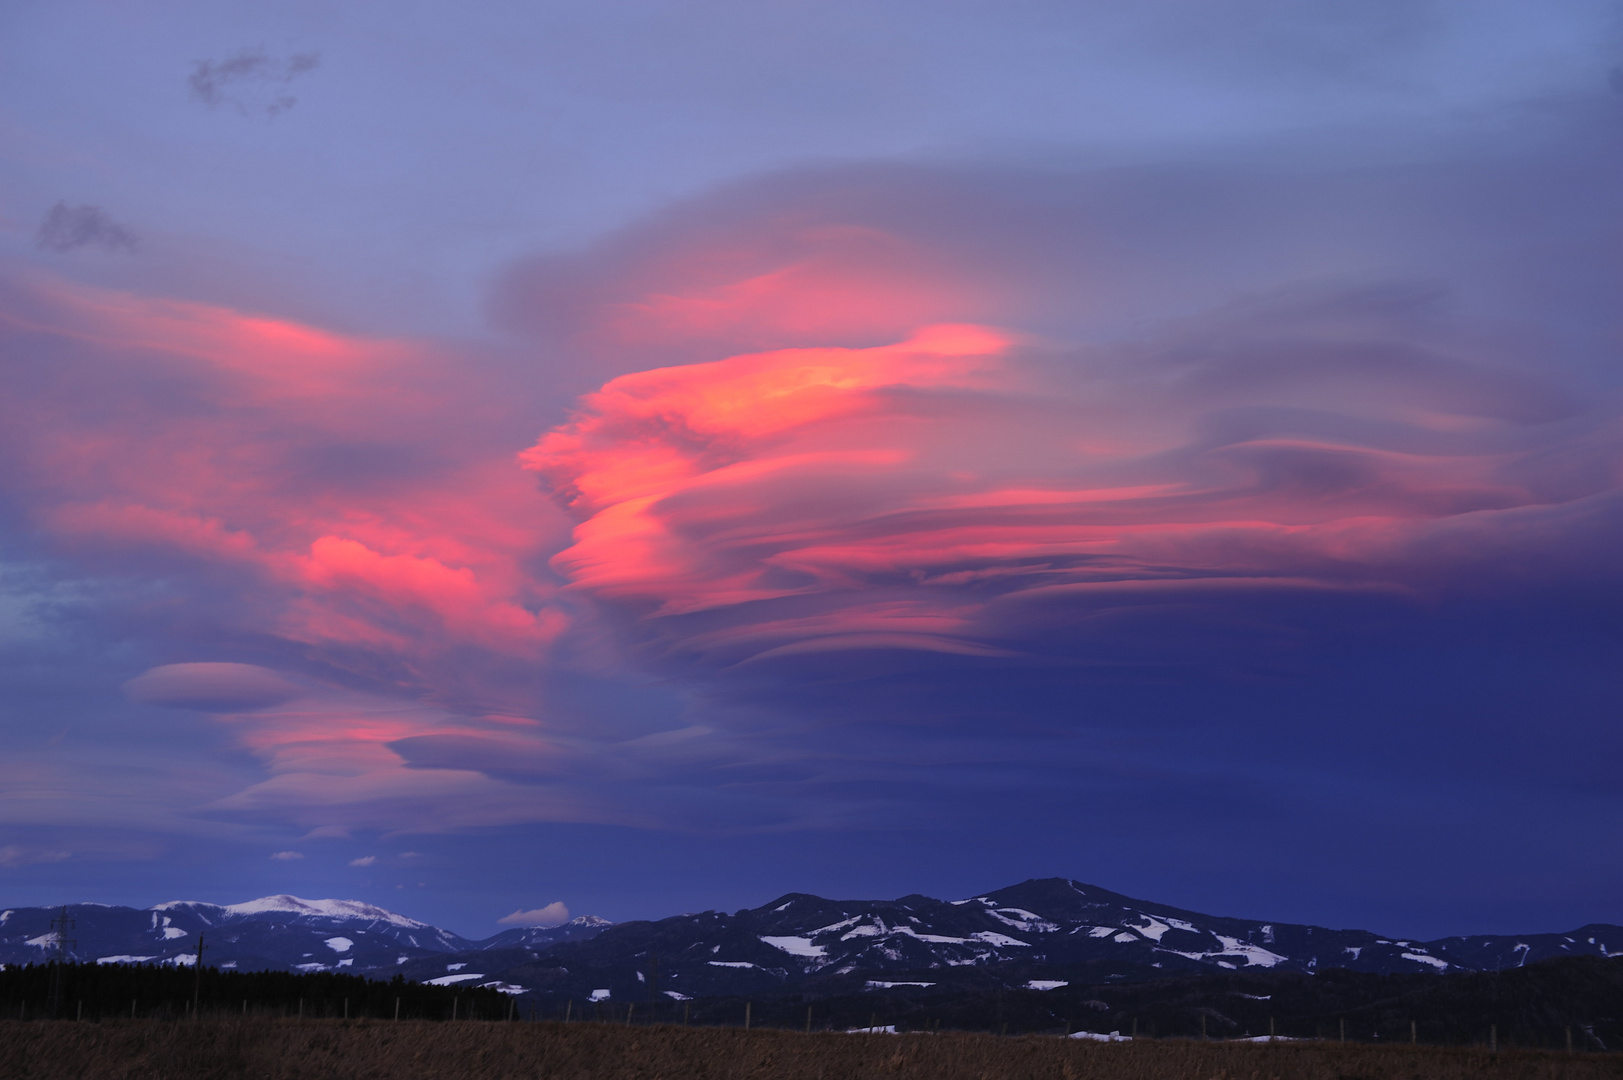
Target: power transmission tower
<point>60,946</point>
<point>197,983</point>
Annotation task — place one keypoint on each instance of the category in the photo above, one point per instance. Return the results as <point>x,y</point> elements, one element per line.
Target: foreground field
<point>337,1050</point>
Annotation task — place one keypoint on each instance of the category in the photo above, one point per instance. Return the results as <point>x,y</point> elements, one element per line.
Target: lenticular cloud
<point>965,492</point>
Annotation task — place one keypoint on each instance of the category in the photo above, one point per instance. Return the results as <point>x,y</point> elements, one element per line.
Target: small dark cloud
<point>250,81</point>
<point>68,227</point>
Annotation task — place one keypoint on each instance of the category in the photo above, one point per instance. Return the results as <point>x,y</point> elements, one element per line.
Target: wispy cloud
<point>15,855</point>
<point>68,228</point>
<point>287,856</point>
<point>364,860</point>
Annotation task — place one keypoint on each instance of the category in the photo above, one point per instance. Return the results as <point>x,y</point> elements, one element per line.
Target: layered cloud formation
<point>914,495</point>
<point>954,491</point>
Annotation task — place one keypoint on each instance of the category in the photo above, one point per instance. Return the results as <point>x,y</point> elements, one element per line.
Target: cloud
<point>374,581</point>
<point>211,687</point>
<point>1195,408</point>
<point>67,228</point>
<point>1175,447</point>
<point>931,494</point>
<point>250,80</point>
<point>15,855</point>
<point>554,914</point>
<point>287,856</point>
<point>364,860</point>
<point>888,493</point>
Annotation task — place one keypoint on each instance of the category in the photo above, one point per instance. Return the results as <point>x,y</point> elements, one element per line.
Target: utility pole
<point>197,981</point>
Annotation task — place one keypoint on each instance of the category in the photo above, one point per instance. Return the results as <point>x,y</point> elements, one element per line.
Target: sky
<point>507,460</point>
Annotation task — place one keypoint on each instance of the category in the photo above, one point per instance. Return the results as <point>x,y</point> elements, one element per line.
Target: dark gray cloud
<point>67,228</point>
<point>250,80</point>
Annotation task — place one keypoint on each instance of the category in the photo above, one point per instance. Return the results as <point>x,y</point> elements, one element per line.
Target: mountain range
<point>1038,935</point>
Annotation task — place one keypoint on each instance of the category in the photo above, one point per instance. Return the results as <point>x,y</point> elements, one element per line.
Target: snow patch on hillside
<point>796,946</point>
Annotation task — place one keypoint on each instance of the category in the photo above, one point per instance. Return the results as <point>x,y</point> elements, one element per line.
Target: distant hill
<point>277,933</point>
<point>1040,935</point>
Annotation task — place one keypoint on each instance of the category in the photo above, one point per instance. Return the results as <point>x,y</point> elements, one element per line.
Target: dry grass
<point>329,1050</point>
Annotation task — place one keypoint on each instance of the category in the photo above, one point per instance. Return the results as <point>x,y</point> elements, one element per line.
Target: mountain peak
<point>293,905</point>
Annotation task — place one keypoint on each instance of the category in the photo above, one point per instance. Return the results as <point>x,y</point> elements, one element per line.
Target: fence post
<point>1493,1038</point>
<point>1414,1033</point>
<point>346,1008</point>
<point>808,1019</point>
<point>1343,1029</point>
<point>1569,1038</point>
<point>397,1008</point>
<point>629,1009</point>
<point>747,1006</point>
<point>569,1007</point>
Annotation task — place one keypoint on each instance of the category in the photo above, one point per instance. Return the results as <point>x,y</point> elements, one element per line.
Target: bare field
<point>337,1050</point>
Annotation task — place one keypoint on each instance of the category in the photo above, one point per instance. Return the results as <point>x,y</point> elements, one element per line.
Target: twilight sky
<point>653,456</point>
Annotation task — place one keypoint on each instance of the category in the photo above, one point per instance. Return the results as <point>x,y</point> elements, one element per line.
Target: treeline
<point>107,991</point>
<point>1542,1005</point>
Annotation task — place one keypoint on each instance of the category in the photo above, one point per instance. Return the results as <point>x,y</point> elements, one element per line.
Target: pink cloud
<point>553,914</point>
<point>882,498</point>
<point>336,505</point>
<point>176,431</point>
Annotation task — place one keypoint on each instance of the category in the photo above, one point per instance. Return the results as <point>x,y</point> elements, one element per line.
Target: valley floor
<point>338,1050</point>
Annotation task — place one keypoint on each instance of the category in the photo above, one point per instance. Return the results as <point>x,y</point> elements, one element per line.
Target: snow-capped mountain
<point>544,937</point>
<point>1039,935</point>
<point>274,932</point>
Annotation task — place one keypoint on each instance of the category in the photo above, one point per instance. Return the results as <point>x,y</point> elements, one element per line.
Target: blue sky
<point>658,456</point>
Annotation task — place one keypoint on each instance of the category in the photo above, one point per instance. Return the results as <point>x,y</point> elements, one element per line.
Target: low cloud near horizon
<point>554,914</point>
